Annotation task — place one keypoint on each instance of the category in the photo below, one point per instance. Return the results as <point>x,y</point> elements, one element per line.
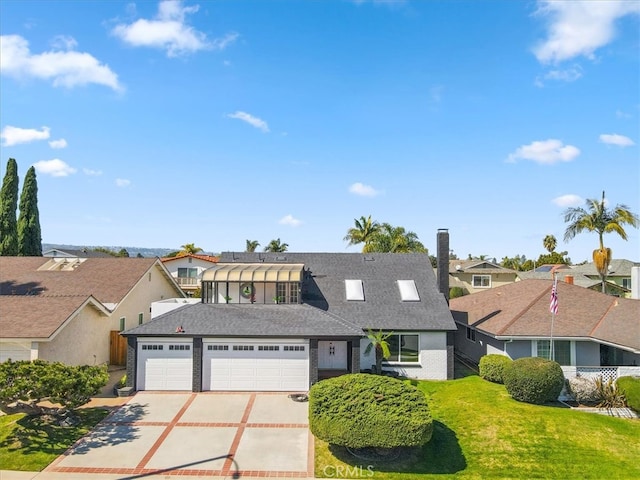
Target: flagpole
<point>554,309</point>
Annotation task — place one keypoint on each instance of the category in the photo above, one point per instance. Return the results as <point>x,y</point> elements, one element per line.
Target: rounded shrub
<point>630,387</point>
<point>533,380</point>
<point>455,292</point>
<point>492,367</point>
<point>361,410</point>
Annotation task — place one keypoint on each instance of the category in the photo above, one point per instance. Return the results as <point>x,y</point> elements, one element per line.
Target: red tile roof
<point>521,309</point>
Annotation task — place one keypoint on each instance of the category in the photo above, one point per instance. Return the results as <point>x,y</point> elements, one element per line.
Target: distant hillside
<point>133,251</point>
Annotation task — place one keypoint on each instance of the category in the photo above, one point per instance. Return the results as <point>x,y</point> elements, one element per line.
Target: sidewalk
<point>13,475</point>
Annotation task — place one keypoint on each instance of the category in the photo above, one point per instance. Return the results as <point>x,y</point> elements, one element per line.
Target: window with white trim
<point>481,281</point>
<point>123,322</point>
<point>404,348</point>
<point>561,350</point>
<point>180,347</point>
<point>626,283</point>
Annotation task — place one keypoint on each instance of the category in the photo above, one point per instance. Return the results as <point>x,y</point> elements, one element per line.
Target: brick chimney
<point>443,262</point>
<point>568,279</point>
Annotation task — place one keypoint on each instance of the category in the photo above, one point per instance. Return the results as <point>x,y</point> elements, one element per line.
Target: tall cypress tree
<point>8,207</point>
<point>29,235</point>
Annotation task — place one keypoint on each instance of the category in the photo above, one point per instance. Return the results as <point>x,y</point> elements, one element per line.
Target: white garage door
<point>253,366</point>
<point>15,351</point>
<point>165,366</point>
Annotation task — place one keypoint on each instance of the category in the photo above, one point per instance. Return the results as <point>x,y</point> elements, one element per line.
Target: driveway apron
<point>204,434</point>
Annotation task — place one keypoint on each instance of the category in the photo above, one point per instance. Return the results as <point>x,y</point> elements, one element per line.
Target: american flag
<point>553,306</point>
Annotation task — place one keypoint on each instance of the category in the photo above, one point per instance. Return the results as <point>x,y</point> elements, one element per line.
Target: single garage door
<point>253,366</point>
<point>165,366</point>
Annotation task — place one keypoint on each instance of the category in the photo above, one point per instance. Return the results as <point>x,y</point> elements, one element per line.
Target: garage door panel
<point>267,367</point>
<point>165,366</point>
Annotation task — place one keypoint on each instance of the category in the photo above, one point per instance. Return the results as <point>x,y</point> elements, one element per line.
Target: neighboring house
<point>281,321</point>
<point>618,281</point>
<point>478,275</point>
<point>591,330</point>
<point>72,310</point>
<point>187,270</point>
<point>83,253</point>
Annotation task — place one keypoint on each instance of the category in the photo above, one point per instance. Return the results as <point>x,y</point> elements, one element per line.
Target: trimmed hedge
<point>492,367</point>
<point>533,380</point>
<point>630,386</point>
<point>361,410</point>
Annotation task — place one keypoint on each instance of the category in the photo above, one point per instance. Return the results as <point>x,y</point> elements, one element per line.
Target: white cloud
<point>363,190</point>
<point>289,220</point>
<point>122,182</point>
<point>55,168</point>
<point>63,42</point>
<point>546,152</point>
<point>569,200</point>
<point>566,75</point>
<point>64,68</point>
<point>169,31</point>
<point>621,114</point>
<point>615,139</point>
<point>251,120</point>
<point>579,27</point>
<point>11,135</point>
<point>55,144</point>
<point>91,173</point>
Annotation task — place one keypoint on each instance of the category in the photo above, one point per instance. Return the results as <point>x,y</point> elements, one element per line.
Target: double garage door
<point>226,365</point>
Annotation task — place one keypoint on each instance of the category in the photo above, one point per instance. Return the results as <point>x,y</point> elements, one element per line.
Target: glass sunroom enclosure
<point>252,283</point>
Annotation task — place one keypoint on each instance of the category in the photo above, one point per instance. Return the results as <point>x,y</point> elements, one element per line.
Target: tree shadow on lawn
<point>441,455</point>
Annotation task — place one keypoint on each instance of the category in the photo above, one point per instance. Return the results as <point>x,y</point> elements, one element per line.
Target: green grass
<point>480,432</point>
<point>32,443</point>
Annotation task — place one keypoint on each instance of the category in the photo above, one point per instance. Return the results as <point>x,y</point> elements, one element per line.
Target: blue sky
<point>155,124</point>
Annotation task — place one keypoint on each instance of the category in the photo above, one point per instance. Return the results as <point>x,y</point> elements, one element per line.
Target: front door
<point>332,355</point>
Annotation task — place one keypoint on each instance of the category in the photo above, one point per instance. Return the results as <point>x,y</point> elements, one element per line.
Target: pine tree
<point>29,235</point>
<point>8,207</point>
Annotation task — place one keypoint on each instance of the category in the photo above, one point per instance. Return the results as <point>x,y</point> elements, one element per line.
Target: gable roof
<point>324,311</point>
<point>83,253</point>
<point>618,268</point>
<point>476,266</point>
<point>324,287</point>
<point>206,258</point>
<point>108,280</point>
<point>521,310</point>
<point>41,316</point>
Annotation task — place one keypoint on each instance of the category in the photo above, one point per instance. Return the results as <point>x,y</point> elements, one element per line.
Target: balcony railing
<point>188,281</point>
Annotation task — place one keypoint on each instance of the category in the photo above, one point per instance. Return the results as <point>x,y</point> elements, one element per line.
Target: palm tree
<point>378,342</point>
<point>550,243</point>
<point>276,247</point>
<point>390,239</point>
<point>189,249</point>
<point>364,230</point>
<point>597,218</point>
<point>252,245</point>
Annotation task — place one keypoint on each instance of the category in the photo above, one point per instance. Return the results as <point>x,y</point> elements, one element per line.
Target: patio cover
<point>254,272</point>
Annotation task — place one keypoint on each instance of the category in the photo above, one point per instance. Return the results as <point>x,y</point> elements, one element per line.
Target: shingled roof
<point>108,280</point>
<point>324,309</point>
<point>521,310</point>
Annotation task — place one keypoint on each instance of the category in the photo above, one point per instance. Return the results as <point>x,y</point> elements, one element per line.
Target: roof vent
<point>281,258</point>
<point>369,259</point>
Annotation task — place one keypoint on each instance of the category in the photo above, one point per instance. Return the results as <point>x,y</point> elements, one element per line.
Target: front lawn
<point>480,432</point>
<point>32,443</point>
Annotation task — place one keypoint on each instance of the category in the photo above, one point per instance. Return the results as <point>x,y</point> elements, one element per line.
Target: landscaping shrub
<point>455,292</point>
<point>533,380</point>
<point>360,410</point>
<point>630,387</point>
<point>492,367</point>
<point>583,390</point>
<point>610,395</point>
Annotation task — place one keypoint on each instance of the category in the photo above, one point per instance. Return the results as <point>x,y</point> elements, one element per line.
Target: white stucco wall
<point>163,306</point>
<point>152,287</point>
<point>433,358</point>
<point>84,340</point>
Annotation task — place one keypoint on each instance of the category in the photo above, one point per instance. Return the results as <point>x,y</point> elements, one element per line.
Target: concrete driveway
<point>209,434</point>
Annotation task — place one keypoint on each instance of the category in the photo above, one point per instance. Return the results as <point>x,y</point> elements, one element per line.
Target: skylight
<point>354,289</point>
<point>408,291</point>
